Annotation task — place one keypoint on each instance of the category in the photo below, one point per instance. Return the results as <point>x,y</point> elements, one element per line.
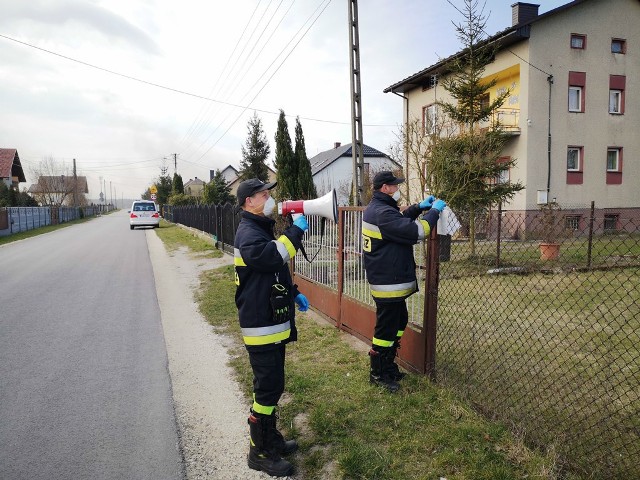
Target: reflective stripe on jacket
<point>260,261</point>
<point>388,237</point>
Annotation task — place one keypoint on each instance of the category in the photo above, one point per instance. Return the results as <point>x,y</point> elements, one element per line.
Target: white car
<point>144,213</point>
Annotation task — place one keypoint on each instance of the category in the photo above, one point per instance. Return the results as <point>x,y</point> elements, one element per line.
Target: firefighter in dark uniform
<point>388,237</point>
<point>266,297</point>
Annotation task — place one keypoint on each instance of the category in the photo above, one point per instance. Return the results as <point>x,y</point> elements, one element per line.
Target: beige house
<point>194,187</point>
<point>574,106</point>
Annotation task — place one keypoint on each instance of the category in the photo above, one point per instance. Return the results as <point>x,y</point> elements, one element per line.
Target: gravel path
<point>210,408</point>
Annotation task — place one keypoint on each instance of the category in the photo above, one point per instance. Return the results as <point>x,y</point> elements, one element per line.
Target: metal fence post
<point>431,304</point>
<point>591,221</point>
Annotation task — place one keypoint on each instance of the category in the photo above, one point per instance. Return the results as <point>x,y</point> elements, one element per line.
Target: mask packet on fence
<point>280,303</point>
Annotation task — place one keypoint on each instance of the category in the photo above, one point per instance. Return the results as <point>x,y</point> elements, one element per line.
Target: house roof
<point>195,181</point>
<point>10,165</point>
<point>326,158</point>
<point>502,39</point>
<point>58,184</point>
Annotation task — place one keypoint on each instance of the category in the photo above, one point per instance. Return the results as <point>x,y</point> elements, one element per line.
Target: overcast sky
<point>244,55</point>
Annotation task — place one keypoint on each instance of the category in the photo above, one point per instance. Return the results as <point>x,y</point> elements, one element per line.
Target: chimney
<point>523,12</point>
<point>336,144</point>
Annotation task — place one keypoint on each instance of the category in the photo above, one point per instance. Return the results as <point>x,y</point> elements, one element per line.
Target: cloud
<point>75,16</point>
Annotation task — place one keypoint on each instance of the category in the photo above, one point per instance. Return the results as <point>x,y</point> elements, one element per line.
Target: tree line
<point>293,170</point>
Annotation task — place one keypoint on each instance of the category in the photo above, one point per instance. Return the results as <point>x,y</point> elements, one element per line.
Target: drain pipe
<point>550,80</point>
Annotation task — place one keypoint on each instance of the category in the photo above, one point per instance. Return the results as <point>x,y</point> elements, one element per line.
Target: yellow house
<point>573,111</point>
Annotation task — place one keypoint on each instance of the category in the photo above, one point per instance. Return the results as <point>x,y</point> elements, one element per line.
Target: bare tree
<point>55,184</point>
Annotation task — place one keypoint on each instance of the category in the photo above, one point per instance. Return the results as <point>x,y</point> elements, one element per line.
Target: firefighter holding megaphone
<point>388,237</point>
<point>266,298</point>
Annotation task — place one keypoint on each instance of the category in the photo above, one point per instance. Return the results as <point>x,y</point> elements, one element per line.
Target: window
<point>503,176</point>
<point>618,45</point>
<point>572,222</point>
<point>613,160</point>
<point>575,99</point>
<point>574,165</point>
<point>611,223</point>
<point>616,94</point>
<point>578,41</point>
<point>573,159</point>
<point>577,83</point>
<point>430,118</point>
<point>615,101</point>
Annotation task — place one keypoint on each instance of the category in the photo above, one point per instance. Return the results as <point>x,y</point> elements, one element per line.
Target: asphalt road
<point>85,391</point>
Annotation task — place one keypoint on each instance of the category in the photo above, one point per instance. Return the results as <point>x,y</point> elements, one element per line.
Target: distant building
<point>60,190</point>
<point>11,173</point>
<point>334,169</point>
<point>194,187</point>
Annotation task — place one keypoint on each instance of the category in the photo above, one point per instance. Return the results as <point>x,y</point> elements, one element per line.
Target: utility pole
<point>175,163</point>
<point>75,185</point>
<point>357,151</point>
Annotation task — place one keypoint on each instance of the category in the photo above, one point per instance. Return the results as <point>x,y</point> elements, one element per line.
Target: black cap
<point>251,187</point>
<point>385,178</point>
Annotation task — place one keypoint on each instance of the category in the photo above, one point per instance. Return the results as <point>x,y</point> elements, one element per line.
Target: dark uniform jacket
<point>260,262</point>
<point>388,237</point>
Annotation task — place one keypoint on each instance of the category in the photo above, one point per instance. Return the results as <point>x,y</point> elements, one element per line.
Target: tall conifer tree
<point>306,187</point>
<point>255,152</point>
<point>286,163</point>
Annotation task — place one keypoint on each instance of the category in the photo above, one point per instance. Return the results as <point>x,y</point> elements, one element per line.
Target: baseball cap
<point>385,177</point>
<point>251,187</point>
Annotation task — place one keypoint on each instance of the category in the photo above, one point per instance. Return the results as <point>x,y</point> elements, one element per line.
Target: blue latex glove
<point>302,302</point>
<point>301,223</point>
<point>427,202</point>
<point>439,205</point>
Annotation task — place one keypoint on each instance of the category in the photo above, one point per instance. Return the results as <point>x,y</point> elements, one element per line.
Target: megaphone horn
<point>326,206</point>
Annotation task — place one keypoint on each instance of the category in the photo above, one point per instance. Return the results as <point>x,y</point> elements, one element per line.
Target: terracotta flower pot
<point>549,251</point>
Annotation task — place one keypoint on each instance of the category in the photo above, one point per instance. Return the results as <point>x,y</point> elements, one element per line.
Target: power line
<point>175,90</point>
<point>274,72</point>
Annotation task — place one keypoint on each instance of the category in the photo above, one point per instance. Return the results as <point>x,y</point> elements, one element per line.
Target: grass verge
<point>350,429</point>
<point>175,237</point>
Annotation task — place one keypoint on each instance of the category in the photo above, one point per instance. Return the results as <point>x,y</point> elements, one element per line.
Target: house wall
<point>525,66</point>
<point>595,129</point>
<point>339,175</point>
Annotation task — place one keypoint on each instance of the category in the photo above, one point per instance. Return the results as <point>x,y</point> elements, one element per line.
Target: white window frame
<point>615,101</point>
<point>617,159</point>
<point>572,222</point>
<point>578,159</point>
<point>573,88</point>
<point>504,177</point>
<point>430,118</point>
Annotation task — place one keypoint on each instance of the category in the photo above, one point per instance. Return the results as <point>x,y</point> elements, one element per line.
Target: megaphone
<point>326,206</point>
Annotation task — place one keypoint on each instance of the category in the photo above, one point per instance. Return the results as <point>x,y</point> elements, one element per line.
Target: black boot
<point>396,374</point>
<point>262,451</point>
<point>283,447</point>
<point>380,373</point>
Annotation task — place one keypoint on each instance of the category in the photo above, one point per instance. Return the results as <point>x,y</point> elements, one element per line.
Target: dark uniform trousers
<point>268,374</point>
<point>391,320</point>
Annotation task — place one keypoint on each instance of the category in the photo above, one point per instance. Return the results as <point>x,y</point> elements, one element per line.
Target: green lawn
<point>349,429</point>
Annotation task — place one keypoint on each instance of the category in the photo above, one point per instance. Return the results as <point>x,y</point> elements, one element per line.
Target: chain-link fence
<point>538,318</point>
<point>539,326</point>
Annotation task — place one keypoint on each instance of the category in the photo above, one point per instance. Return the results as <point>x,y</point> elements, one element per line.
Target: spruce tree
<point>286,162</point>
<point>255,152</point>
<point>178,184</point>
<point>463,168</point>
<point>306,187</point>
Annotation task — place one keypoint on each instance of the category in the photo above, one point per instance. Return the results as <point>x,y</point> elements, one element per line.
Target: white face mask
<point>396,195</point>
<point>269,206</point>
